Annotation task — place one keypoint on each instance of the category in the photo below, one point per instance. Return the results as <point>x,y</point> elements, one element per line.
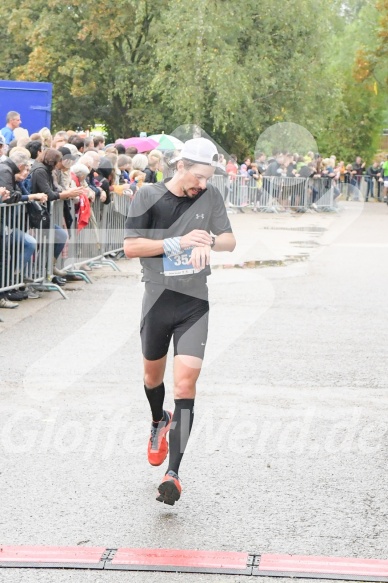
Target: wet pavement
<point>289,447</point>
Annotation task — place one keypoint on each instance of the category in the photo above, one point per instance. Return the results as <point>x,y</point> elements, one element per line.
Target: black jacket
<point>150,175</point>
<point>373,172</point>
<point>42,181</point>
<point>104,183</point>
<point>306,171</point>
<point>8,171</point>
<point>91,183</point>
<point>273,169</point>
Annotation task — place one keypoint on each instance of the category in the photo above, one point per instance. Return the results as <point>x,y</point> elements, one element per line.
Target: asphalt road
<point>289,448</point>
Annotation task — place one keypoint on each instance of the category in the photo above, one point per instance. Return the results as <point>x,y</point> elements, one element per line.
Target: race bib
<point>179,264</point>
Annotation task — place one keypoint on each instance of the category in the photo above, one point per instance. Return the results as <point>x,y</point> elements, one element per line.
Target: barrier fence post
<point>39,270</point>
<point>12,218</point>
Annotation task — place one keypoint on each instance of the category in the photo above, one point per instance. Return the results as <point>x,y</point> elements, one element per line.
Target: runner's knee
<point>152,380</point>
<point>184,389</point>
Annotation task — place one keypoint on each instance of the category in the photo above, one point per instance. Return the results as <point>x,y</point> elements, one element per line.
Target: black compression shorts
<point>166,314</point>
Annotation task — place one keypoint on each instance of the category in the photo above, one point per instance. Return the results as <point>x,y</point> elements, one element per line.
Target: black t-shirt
<point>290,170</point>
<point>372,171</point>
<point>156,213</point>
<point>150,175</point>
<point>359,169</point>
<point>273,169</point>
<point>306,171</point>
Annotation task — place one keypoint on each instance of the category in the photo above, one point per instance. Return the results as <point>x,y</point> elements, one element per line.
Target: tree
<point>237,71</point>
<point>98,64</point>
<point>137,66</point>
<point>354,125</point>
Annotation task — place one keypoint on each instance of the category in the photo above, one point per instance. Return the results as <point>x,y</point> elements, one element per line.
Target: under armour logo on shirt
<point>199,216</point>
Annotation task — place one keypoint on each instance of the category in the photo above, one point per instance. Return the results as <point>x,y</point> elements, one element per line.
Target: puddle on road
<point>288,259</point>
<point>308,229</point>
<point>266,262</point>
<point>305,243</point>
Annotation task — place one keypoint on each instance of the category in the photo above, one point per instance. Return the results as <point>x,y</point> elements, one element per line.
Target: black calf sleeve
<point>182,423</point>
<point>156,399</point>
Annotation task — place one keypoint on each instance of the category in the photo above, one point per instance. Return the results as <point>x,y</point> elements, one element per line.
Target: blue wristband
<point>172,246</point>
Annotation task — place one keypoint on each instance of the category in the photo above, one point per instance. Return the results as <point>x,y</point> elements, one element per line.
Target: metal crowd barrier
<point>102,238</point>
<point>373,187</point>
<point>12,222</point>
<point>350,190</point>
<point>322,193</point>
<point>283,193</point>
<point>222,183</point>
<point>84,246</point>
<point>243,192</point>
<point>94,244</point>
<point>90,245</point>
<point>40,267</point>
<point>113,223</point>
<point>268,194</point>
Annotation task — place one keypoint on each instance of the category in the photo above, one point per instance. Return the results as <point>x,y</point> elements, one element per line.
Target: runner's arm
<point>200,256</point>
<point>224,242</point>
<point>142,247</point>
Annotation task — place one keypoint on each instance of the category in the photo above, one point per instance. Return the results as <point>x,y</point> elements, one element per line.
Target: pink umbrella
<point>142,144</point>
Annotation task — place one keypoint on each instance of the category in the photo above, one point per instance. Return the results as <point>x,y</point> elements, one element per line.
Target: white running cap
<point>200,150</point>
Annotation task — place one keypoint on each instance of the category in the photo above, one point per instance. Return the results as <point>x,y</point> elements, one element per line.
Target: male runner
<point>169,227</point>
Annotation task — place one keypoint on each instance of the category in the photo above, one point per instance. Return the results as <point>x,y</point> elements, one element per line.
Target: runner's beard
<point>191,192</point>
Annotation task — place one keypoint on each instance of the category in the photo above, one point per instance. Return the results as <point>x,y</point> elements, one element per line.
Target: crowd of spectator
<point>344,178</point>
<point>80,169</point>
<point>68,166</point>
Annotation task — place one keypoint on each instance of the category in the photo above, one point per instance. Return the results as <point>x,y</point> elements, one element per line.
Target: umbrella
<point>167,142</point>
<point>142,144</point>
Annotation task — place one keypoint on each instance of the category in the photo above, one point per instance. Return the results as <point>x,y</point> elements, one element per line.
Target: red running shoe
<point>170,489</point>
<point>157,444</point>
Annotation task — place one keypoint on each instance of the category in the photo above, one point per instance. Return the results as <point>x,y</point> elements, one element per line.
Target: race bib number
<point>179,264</point>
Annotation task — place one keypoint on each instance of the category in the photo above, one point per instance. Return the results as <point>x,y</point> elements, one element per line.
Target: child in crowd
<point>137,178</point>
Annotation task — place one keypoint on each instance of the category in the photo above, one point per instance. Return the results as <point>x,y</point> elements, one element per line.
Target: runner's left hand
<point>200,257</point>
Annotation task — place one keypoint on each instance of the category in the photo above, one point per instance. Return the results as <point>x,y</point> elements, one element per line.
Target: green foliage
<point>354,125</point>
<point>98,63</point>
<point>235,71</point>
